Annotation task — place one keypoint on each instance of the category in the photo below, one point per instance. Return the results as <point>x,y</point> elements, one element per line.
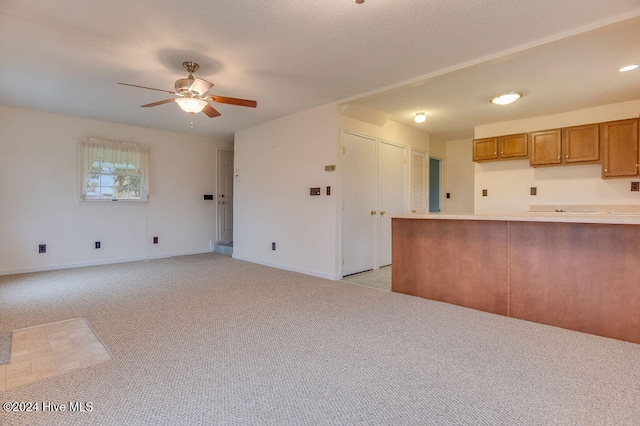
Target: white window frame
<point>128,160</point>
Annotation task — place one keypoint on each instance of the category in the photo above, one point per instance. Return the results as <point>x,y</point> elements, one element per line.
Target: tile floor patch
<point>50,350</point>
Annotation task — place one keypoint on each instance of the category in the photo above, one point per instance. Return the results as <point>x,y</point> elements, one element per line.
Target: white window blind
<point>418,181</point>
<point>110,170</point>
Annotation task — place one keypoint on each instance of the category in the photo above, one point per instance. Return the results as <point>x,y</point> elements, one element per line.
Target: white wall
<point>278,162</point>
<point>392,131</point>
<point>460,176</point>
<point>509,182</point>
<point>39,202</point>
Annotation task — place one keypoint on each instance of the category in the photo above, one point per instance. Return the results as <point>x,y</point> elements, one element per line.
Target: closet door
<point>359,212</point>
<point>391,194</point>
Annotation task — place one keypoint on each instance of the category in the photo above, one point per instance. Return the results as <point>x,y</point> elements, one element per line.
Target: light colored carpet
<point>222,341</point>
<point>5,347</point>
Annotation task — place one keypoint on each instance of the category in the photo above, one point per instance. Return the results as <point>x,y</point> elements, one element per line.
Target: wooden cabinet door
<point>620,148</point>
<point>581,144</point>
<point>546,148</point>
<point>485,149</point>
<point>514,146</point>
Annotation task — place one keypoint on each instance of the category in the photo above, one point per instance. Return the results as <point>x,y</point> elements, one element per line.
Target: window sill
<point>113,202</point>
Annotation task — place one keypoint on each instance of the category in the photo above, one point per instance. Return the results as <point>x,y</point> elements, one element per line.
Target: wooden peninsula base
<point>579,276</point>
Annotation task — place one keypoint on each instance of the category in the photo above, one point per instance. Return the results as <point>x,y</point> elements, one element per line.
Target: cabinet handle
<point>566,156</point>
<point>558,157</point>
<point>382,213</point>
<point>501,152</point>
<point>495,153</point>
<point>373,212</point>
<point>606,170</point>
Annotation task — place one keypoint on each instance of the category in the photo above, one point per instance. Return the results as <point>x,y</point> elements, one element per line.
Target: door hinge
<point>343,261</point>
<point>344,149</point>
<point>405,161</point>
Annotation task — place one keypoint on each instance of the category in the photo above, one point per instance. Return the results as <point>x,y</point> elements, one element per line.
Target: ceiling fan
<point>192,94</point>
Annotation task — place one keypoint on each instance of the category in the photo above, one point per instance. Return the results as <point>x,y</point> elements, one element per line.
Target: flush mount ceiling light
<point>505,98</point>
<point>191,105</point>
<point>420,117</point>
<point>629,68</point>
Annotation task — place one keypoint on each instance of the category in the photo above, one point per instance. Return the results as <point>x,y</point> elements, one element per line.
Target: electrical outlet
<point>328,190</point>
<point>97,244</point>
<point>484,193</point>
<point>42,248</point>
<point>448,195</point>
<point>155,240</point>
<point>273,246</point>
<point>534,190</point>
<point>635,186</point>
<point>314,191</point>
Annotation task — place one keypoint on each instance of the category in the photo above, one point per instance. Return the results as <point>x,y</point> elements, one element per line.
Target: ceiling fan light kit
<point>192,94</point>
<point>191,105</point>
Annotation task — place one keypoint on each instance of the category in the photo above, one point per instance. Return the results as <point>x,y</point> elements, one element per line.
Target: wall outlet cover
<point>314,191</point>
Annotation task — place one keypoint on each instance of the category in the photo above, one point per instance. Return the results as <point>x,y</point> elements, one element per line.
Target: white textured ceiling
<point>66,56</point>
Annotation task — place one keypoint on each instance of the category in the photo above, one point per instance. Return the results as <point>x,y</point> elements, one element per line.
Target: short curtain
<point>94,149</point>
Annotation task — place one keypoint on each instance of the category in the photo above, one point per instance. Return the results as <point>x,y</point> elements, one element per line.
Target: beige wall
<point>460,176</point>
<point>509,182</point>
<point>39,197</point>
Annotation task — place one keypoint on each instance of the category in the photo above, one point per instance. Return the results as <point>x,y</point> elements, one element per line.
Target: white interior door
<point>225,196</point>
<point>391,194</point>
<point>359,214</point>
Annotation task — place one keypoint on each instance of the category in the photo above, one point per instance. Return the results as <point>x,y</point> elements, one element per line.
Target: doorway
<point>434,185</point>
<point>225,196</point>
<point>373,186</point>
<point>391,194</point>
<point>359,214</point>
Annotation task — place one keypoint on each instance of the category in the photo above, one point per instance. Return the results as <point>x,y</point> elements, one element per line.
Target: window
<point>112,171</point>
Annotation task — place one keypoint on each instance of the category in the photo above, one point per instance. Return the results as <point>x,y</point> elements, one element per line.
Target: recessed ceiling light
<point>359,1</point>
<point>420,117</point>
<point>629,68</point>
<point>505,98</point>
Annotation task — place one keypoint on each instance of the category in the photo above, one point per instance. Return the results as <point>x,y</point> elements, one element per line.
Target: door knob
<point>382,212</point>
<point>373,212</point>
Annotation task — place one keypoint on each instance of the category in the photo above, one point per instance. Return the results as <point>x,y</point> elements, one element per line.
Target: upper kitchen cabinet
<point>485,149</point>
<point>620,148</point>
<point>570,145</point>
<point>546,148</point>
<point>511,147</point>
<point>581,144</point>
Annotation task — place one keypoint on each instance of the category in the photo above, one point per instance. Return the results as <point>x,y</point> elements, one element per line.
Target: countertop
<point>612,217</point>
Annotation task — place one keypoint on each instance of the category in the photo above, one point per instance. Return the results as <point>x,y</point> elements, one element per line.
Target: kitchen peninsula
<point>578,270</point>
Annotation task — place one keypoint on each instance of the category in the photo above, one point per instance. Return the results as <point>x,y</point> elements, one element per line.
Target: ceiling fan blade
<point>232,101</point>
<point>150,88</point>
<point>166,101</point>
<point>211,111</point>
<point>200,86</point>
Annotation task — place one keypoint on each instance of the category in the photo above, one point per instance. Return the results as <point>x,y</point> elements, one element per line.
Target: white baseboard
<point>97,263</point>
<point>290,268</point>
